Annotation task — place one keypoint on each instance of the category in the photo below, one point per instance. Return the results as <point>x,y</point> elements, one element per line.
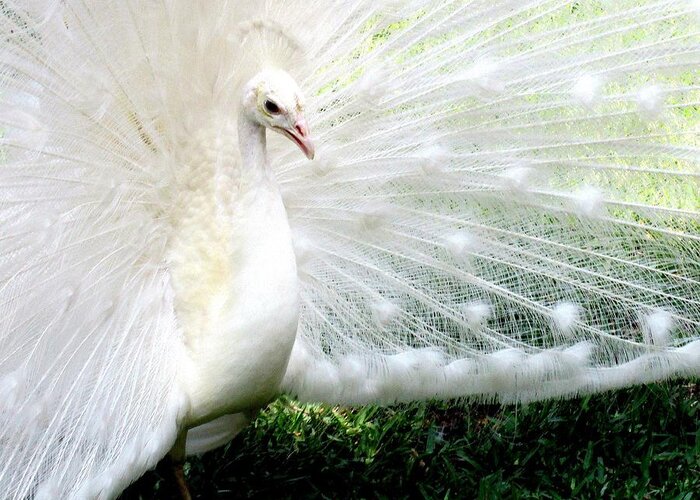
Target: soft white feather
<point>555,245</point>
<point>501,207</point>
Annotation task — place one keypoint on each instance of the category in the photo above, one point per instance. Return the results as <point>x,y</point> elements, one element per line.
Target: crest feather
<point>265,43</point>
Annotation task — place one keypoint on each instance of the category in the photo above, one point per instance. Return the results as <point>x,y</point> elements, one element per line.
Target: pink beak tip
<point>301,131</point>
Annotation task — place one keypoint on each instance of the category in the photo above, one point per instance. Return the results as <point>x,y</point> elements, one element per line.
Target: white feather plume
<point>503,207</point>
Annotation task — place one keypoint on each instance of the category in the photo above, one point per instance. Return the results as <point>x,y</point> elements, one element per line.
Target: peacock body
<point>503,204</point>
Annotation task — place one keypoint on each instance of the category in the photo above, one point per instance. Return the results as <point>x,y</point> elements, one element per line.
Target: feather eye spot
<point>518,178</point>
<point>433,159</point>
<point>384,312</point>
<point>589,201</point>
<point>48,490</point>
<point>67,293</point>
<point>565,316</point>
<point>477,313</point>
<point>305,254</point>
<point>587,90</point>
<point>373,217</point>
<point>503,365</point>
<point>460,244</point>
<point>10,386</point>
<point>106,310</point>
<point>650,102</point>
<point>373,86</point>
<point>43,228</point>
<point>484,75</point>
<point>36,415</point>
<point>321,167</point>
<point>578,356</point>
<point>657,327</point>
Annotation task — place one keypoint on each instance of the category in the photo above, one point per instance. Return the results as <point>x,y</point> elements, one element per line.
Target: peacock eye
<point>271,107</point>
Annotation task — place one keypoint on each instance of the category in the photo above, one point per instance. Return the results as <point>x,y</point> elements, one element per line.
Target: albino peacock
<point>503,205</point>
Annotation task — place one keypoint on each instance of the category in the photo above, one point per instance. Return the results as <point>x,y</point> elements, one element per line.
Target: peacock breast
<point>238,304</point>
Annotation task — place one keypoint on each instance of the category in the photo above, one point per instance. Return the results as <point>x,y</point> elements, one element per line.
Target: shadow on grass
<point>640,442</point>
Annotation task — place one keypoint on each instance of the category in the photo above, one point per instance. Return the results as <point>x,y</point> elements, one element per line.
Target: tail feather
<point>87,310</point>
<point>513,187</point>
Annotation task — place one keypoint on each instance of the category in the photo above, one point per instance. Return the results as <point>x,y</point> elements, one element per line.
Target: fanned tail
<point>505,202</point>
<point>88,341</point>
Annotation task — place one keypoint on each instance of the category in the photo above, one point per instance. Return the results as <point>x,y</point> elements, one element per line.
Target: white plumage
<point>503,205</point>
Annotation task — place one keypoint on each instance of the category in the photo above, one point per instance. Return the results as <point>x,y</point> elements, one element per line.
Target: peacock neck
<point>253,147</point>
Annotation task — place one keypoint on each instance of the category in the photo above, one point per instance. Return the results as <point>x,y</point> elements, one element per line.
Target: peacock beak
<point>299,134</point>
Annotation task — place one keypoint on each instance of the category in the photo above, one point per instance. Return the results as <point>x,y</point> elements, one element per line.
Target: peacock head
<point>273,99</point>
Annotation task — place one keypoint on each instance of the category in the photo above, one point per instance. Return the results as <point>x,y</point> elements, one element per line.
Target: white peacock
<point>503,206</point>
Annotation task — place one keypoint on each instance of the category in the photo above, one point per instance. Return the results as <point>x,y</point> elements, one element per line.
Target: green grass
<point>637,443</point>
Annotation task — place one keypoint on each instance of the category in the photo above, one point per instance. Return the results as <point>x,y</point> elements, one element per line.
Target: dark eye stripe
<point>271,107</point>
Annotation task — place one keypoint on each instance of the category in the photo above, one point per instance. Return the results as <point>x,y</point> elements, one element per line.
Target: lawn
<point>642,442</point>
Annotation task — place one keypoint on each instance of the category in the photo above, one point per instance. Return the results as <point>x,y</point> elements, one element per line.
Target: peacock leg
<point>176,457</point>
